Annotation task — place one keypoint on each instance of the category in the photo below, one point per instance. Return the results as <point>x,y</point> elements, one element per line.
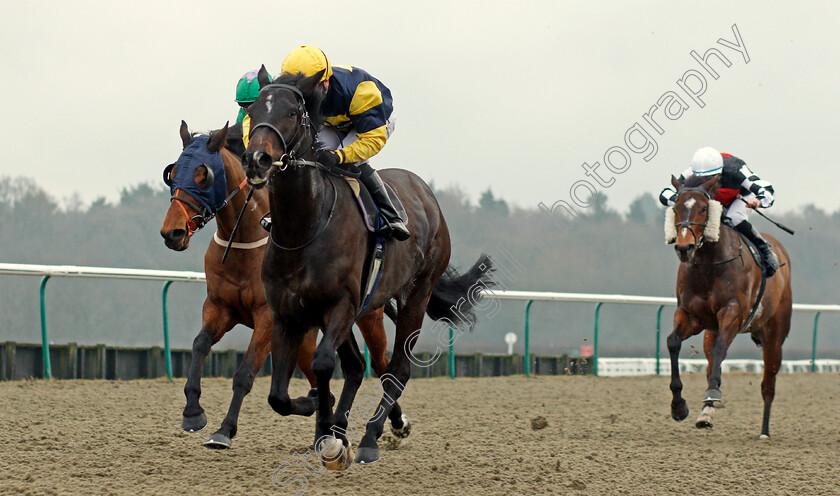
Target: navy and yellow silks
<point>358,100</point>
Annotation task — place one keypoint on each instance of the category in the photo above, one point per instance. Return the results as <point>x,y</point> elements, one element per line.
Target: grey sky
<point>509,95</point>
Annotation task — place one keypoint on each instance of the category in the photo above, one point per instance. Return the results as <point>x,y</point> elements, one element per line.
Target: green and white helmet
<point>247,91</point>
<point>248,87</point>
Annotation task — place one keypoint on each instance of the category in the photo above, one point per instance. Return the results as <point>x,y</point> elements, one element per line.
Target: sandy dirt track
<point>470,436</point>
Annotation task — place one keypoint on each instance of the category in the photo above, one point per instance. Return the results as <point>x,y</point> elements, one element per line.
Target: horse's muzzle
<point>256,168</point>
<point>685,252</point>
<point>176,239</point>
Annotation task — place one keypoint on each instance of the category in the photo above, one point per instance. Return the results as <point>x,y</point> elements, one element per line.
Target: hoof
<point>334,454</point>
<point>679,411</point>
<point>366,456</point>
<point>403,432</point>
<point>704,421</point>
<point>195,423</point>
<point>218,441</point>
<point>764,436</point>
<point>713,395</point>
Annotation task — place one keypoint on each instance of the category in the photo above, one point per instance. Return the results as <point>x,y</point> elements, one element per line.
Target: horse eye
<point>292,113</point>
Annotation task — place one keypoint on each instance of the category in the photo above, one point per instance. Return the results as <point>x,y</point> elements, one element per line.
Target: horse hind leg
<point>216,322</point>
<point>393,382</point>
<point>772,352</point>
<point>243,380</point>
<point>373,330</point>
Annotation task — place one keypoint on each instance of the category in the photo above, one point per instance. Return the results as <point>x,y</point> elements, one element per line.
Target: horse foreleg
<point>353,367</point>
<point>243,379</point>
<point>216,321</point>
<point>684,327</point>
<point>705,419</point>
<point>373,330</point>
<point>285,345</point>
<point>338,322</point>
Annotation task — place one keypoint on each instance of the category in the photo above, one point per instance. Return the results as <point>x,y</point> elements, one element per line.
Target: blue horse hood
<point>194,156</point>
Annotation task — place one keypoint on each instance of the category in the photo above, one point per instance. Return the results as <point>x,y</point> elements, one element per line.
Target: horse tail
<point>455,295</point>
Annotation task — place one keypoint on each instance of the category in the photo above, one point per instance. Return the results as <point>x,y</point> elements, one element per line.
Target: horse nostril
<point>262,159</point>
<point>684,250</point>
<point>174,234</point>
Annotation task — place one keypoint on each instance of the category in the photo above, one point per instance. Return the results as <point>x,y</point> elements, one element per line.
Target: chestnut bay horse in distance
<point>234,290</point>
<point>314,265</point>
<point>717,288</point>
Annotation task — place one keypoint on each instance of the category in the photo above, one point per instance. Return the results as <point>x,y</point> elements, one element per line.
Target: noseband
<point>204,215</point>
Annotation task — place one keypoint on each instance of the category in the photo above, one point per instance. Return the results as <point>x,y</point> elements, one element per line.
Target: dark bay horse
<point>314,265</point>
<point>717,288</point>
<point>234,290</point>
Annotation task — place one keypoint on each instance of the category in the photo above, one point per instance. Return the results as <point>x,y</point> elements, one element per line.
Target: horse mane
<point>696,181</point>
<point>312,99</point>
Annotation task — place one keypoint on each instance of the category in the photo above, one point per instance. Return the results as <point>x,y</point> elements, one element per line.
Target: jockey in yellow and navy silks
<point>738,191</point>
<point>358,119</point>
<point>247,91</point>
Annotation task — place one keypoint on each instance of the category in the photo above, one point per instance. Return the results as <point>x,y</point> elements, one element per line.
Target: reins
<point>289,159</point>
<point>318,233</point>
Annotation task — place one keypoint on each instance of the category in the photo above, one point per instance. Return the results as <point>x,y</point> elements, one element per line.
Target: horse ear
<point>307,85</point>
<point>263,77</point>
<point>185,134</point>
<point>218,139</point>
<point>711,183</point>
<point>676,182</point>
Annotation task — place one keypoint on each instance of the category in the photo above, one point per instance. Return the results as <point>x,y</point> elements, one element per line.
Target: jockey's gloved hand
<point>328,158</point>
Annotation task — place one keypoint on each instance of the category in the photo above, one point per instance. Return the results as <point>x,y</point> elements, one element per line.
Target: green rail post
<point>528,339</point>
<point>658,322</point>
<point>595,339</point>
<point>451,354</point>
<point>814,344</point>
<point>367,362</point>
<point>45,342</point>
<point>166,351</point>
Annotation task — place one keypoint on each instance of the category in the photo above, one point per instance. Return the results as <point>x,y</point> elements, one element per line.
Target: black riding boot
<point>374,184</point>
<point>769,259</point>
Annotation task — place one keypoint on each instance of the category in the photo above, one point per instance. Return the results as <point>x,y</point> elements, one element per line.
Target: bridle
<point>296,143</point>
<point>289,158</point>
<point>203,215</point>
<point>686,224</point>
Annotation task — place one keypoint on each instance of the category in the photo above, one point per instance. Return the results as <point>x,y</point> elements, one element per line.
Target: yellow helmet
<point>308,60</point>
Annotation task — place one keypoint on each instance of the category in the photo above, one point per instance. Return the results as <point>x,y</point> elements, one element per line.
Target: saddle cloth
<point>367,207</point>
<point>753,250</point>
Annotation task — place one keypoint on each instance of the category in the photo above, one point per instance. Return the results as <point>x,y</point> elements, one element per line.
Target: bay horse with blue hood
<point>314,266</point>
<point>206,182</point>
<point>721,290</point>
